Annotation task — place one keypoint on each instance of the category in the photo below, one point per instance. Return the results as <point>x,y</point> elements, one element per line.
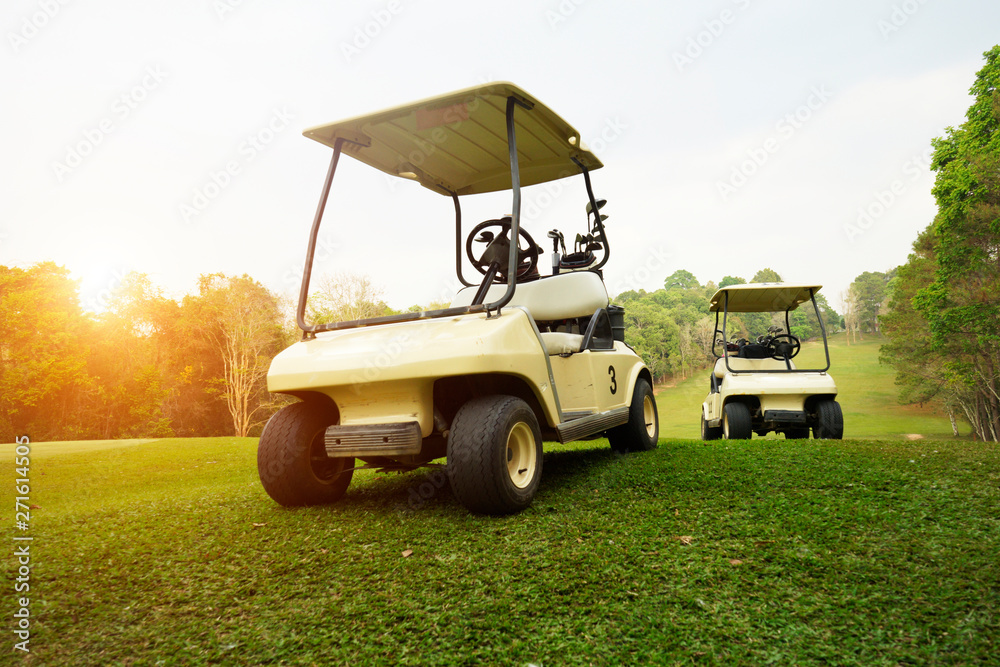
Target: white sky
<point>117,114</point>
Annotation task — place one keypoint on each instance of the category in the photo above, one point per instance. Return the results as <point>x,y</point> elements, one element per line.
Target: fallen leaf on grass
<point>407,553</point>
<point>35,507</point>
<point>258,525</point>
<point>685,539</point>
<point>735,561</point>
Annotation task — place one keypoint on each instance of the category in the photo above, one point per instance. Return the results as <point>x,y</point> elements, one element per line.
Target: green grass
<point>861,552</point>
<point>866,391</point>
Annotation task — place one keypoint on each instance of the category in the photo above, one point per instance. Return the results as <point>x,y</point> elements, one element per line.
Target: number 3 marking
<point>614,382</point>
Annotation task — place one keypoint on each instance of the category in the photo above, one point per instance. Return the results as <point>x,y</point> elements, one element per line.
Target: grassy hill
<point>860,552</point>
<point>867,394</point>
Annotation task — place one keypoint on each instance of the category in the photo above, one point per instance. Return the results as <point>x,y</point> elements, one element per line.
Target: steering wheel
<point>794,342</point>
<point>498,249</point>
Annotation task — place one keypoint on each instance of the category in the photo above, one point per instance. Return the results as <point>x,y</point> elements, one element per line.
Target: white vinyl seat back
<point>559,297</point>
<point>740,365</point>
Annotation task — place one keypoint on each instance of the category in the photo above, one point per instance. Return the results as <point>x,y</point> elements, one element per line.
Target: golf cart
<point>755,387</point>
<point>517,357</point>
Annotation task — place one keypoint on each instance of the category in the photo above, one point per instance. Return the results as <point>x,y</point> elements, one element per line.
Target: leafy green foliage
<point>149,366</point>
<point>674,332</point>
<point>947,300</point>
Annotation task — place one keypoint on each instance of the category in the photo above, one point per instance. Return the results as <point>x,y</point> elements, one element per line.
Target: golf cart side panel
<point>393,367</point>
<point>596,380</point>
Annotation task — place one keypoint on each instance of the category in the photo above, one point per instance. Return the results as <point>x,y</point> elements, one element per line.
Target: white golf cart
<point>516,359</point>
<point>755,387</point>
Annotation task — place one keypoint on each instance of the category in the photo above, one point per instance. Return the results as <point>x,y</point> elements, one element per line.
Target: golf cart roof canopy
<point>762,297</point>
<point>456,143</point>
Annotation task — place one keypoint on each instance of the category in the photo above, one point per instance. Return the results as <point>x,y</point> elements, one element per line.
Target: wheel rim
<point>649,416</point>
<point>522,459</point>
<point>324,468</point>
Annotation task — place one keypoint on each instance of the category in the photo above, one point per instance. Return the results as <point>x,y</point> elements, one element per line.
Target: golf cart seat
<point>552,298</point>
<point>559,297</point>
<point>749,365</point>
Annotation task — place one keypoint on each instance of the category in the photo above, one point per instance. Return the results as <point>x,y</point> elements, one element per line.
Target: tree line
<point>942,318</point>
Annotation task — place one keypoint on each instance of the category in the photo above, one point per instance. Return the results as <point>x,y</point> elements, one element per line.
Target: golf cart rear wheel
<point>708,432</point>
<point>642,430</point>
<point>292,461</point>
<point>495,455</point>
<point>829,421</point>
<point>736,423</point>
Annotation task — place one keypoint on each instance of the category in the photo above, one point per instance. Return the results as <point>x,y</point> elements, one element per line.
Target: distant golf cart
<point>517,357</point>
<point>755,386</point>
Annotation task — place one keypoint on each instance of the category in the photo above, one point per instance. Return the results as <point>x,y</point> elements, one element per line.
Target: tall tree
<point>961,302</point>
<point>242,321</point>
<point>43,353</point>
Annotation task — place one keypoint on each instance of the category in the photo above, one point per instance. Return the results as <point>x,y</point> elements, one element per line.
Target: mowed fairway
<point>861,552</point>
<point>867,395</point>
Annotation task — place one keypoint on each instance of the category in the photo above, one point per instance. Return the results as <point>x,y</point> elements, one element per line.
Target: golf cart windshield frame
<point>513,101</point>
<point>788,328</point>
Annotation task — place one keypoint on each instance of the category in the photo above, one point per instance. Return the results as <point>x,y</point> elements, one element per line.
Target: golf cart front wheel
<point>642,430</point>
<point>736,423</point>
<point>292,461</point>
<point>829,421</point>
<point>495,455</point>
<point>709,432</point>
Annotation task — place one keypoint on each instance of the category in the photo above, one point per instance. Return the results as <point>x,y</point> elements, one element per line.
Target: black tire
<point>292,461</point>
<point>709,432</point>
<point>797,433</point>
<point>829,421</point>
<point>642,430</point>
<point>736,424</point>
<point>495,455</point>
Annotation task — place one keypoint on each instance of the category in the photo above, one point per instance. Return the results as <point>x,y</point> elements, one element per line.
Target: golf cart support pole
<point>300,313</point>
<point>515,214</point>
<point>458,240</point>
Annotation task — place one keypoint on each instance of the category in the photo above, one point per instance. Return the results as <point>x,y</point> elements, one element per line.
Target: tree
<point>953,315</point>
<point>680,279</point>
<point>731,280</point>
<point>346,296</point>
<point>43,353</point>
<point>868,294</point>
<point>242,321</point>
<point>766,276</point>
